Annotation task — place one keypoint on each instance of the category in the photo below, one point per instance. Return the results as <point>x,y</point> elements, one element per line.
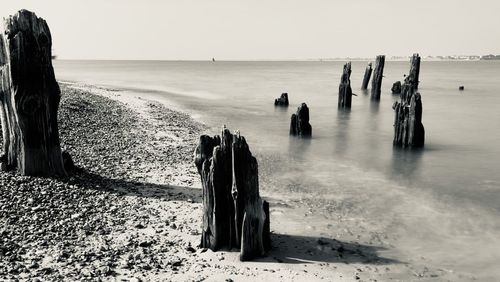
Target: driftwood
<point>378,74</point>
<point>234,215</point>
<point>282,100</point>
<point>29,98</point>
<point>408,128</point>
<point>345,91</point>
<point>396,87</point>
<point>299,122</point>
<point>366,78</point>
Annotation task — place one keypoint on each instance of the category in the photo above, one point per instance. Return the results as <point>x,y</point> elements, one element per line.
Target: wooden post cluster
<point>408,128</point>
<point>378,74</point>
<point>29,98</point>
<point>299,123</point>
<point>234,215</point>
<point>345,91</point>
<point>366,78</point>
<point>282,100</point>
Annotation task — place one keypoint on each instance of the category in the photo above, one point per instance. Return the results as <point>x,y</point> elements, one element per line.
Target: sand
<point>132,212</point>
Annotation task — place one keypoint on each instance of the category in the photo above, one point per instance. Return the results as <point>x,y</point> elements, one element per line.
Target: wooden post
<point>414,70</point>
<point>378,74</point>
<point>299,123</point>
<point>29,98</point>
<point>282,100</point>
<point>234,215</point>
<point>345,91</point>
<point>366,78</point>
<point>396,87</point>
<point>408,128</point>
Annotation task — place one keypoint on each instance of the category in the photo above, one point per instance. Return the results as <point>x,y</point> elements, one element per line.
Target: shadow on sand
<point>302,249</point>
<point>123,187</point>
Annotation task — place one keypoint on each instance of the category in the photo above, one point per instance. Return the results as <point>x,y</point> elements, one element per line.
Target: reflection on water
<point>406,163</point>
<point>341,136</point>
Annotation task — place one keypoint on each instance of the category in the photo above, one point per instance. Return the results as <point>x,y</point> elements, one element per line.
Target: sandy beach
<point>132,211</point>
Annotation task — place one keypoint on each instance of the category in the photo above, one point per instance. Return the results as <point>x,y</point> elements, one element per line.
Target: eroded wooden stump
<point>408,128</point>
<point>396,87</point>
<point>345,91</point>
<point>299,122</point>
<point>282,100</point>
<point>366,78</point>
<point>378,74</point>
<point>234,215</point>
<point>29,98</point>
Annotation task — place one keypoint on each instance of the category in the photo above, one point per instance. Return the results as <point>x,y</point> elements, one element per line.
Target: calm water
<point>444,199</point>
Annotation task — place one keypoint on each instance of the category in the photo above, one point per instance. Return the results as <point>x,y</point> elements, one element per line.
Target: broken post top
<point>346,74</point>
<point>413,77</point>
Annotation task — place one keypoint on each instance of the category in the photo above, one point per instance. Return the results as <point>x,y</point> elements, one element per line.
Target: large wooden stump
<point>378,74</point>
<point>408,128</point>
<point>345,91</point>
<point>299,122</point>
<point>29,98</point>
<point>366,78</point>
<point>234,215</point>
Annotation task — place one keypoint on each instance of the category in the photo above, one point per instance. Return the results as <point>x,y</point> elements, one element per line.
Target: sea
<point>441,202</point>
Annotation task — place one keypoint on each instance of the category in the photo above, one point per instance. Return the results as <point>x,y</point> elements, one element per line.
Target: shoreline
<point>135,209</point>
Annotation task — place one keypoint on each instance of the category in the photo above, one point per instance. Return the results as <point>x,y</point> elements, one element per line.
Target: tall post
<point>345,91</point>
<point>29,98</point>
<point>378,74</point>
<point>366,78</point>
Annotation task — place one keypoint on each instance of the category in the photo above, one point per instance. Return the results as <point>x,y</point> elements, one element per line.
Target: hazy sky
<point>265,29</point>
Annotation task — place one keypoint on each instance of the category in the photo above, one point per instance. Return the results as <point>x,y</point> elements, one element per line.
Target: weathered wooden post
<point>299,122</point>
<point>396,87</point>
<point>29,98</point>
<point>408,128</point>
<point>378,74</point>
<point>282,100</point>
<point>366,78</point>
<point>234,215</point>
<point>345,91</point>
<point>414,74</point>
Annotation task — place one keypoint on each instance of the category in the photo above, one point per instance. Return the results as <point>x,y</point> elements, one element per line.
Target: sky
<point>265,29</point>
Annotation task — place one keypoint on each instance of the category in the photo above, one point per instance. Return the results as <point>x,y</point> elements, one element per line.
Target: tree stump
<point>408,128</point>
<point>345,91</point>
<point>396,87</point>
<point>366,78</point>
<point>299,123</point>
<point>378,74</point>
<point>29,98</point>
<point>234,215</point>
<point>282,100</point>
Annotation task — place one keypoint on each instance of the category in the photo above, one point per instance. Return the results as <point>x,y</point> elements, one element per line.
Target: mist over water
<point>444,199</point>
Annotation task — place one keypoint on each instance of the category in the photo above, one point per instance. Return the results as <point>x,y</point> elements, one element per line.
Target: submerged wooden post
<point>378,74</point>
<point>366,78</point>
<point>299,122</point>
<point>345,91</point>
<point>408,128</point>
<point>234,215</point>
<point>29,98</point>
<point>282,100</point>
<point>396,87</point>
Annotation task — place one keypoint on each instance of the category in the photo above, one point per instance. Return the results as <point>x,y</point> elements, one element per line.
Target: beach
<point>132,210</point>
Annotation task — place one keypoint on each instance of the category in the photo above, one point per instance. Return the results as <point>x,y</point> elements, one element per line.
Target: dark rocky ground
<point>67,229</point>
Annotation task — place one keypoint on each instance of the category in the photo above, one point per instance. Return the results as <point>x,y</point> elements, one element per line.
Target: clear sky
<point>265,29</point>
